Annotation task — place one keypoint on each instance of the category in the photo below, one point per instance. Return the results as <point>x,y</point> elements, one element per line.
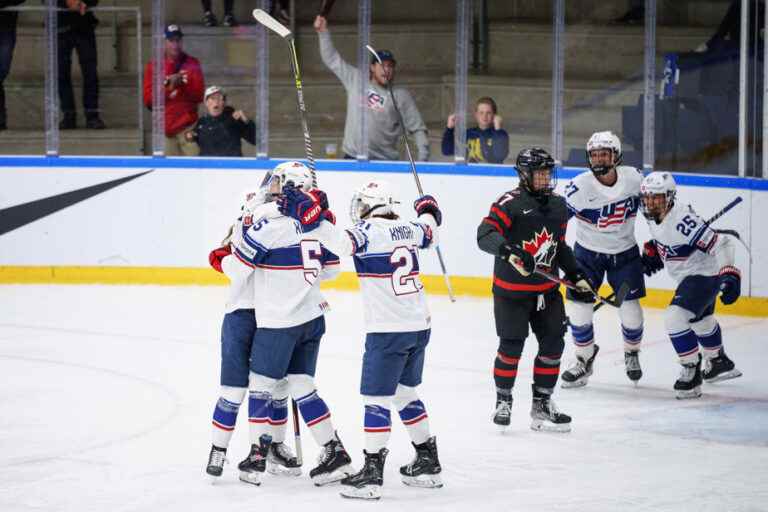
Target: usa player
<point>385,249</point>
<point>287,266</point>
<point>605,201</point>
<point>237,330</point>
<point>702,263</point>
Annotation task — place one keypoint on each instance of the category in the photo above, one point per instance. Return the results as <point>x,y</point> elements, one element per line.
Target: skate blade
<point>280,470</point>
<point>575,384</point>
<point>423,481</point>
<point>686,395</point>
<point>733,374</point>
<point>367,492</point>
<point>336,476</point>
<point>635,378</point>
<point>249,477</point>
<point>542,426</point>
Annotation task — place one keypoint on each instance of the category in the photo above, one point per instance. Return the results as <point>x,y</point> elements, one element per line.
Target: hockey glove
<point>584,291</point>
<point>306,207</point>
<point>517,257</point>
<point>218,254</point>
<point>329,216</point>
<point>730,284</point>
<point>428,204</point>
<point>650,258</point>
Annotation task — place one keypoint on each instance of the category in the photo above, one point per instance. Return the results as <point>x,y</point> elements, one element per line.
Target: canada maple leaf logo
<point>541,247</point>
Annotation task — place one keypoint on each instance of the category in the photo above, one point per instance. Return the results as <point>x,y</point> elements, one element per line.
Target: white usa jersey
<point>240,293</point>
<point>688,245</point>
<point>288,266</point>
<point>605,216</point>
<point>385,254</point>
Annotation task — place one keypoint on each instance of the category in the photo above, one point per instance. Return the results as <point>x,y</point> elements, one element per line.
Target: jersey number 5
<point>311,253</point>
<point>403,278</point>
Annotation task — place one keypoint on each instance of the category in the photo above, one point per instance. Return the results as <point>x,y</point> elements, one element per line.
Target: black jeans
<point>85,44</point>
<point>7,44</point>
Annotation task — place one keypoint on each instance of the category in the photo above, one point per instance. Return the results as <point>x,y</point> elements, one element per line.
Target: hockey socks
<point>505,370</point>
<point>377,424</point>
<point>225,415</point>
<point>632,338</point>
<point>686,345</point>
<point>584,339</point>
<point>317,417</point>
<point>414,417</point>
<point>545,371</point>
<point>259,412</point>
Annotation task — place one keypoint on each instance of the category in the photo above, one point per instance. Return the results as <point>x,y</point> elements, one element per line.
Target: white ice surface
<point>107,394</point>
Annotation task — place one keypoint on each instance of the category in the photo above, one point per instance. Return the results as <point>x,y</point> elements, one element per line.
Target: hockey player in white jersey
<point>237,330</point>
<point>385,253</point>
<point>287,265</point>
<point>702,263</point>
<point>605,201</point>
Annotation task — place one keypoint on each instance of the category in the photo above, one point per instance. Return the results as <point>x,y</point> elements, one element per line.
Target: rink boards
<point>153,221</point>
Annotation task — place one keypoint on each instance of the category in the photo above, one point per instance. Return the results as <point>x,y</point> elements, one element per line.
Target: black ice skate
<point>254,465</point>
<point>545,416</point>
<point>632,365</point>
<point>503,410</point>
<point>216,460</point>
<point>282,461</point>
<point>720,368</point>
<point>333,463</point>
<point>424,470</point>
<point>366,483</point>
<point>578,374</point>
<point>688,385</point>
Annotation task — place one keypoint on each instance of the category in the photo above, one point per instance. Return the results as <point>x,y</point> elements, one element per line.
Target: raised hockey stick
<point>281,30</point>
<point>725,209</point>
<point>415,173</point>
<point>296,432</point>
<point>326,7</point>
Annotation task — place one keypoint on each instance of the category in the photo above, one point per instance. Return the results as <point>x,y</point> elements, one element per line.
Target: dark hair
<point>488,101</point>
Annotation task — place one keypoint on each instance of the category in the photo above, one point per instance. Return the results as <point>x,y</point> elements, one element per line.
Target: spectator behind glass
<point>383,123</point>
<point>184,86</point>
<point>488,142</point>
<point>8,20</point>
<point>77,32</point>
<point>218,132</point>
<point>635,14</point>
<point>728,35</point>
<point>209,19</point>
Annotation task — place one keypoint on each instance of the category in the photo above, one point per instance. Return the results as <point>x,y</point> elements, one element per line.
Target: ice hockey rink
<point>108,392</point>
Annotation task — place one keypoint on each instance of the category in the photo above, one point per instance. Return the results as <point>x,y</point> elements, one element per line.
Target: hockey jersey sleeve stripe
<point>380,265</point>
<point>243,258</point>
<point>502,216</point>
<point>523,287</point>
<point>493,223</point>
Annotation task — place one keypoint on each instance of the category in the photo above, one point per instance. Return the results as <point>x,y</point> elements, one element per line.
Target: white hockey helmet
<point>287,172</point>
<point>604,140</point>
<point>374,196</point>
<point>653,186</point>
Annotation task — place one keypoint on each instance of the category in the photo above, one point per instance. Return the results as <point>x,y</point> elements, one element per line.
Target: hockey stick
<point>725,209</point>
<point>296,432</point>
<point>281,30</point>
<point>614,300</point>
<point>326,7</point>
<point>413,169</point>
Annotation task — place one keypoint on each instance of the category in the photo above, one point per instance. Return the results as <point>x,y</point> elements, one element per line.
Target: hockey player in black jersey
<point>525,230</point>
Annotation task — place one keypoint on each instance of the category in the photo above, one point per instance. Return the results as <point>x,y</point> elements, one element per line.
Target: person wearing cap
<point>77,26</point>
<point>220,130</point>
<point>384,129</point>
<point>488,142</point>
<point>184,86</point>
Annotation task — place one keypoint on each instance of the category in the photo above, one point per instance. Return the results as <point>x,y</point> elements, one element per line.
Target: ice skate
<point>216,459</point>
<point>632,366</point>
<point>254,465</point>
<point>501,416</point>
<point>333,463</point>
<point>720,368</point>
<point>281,461</point>
<point>366,483</point>
<point>546,418</point>
<point>688,385</point>
<point>424,470</point>
<point>578,375</point>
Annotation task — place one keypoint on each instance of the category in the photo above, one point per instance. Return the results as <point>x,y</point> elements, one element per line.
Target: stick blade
<point>621,294</point>
<point>271,23</point>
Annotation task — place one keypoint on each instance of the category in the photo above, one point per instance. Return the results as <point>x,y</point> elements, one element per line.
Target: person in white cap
<point>220,131</point>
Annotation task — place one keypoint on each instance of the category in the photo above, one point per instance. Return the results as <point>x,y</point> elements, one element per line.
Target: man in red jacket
<point>184,86</point>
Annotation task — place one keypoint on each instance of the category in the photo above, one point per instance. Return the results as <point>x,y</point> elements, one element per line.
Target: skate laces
<point>503,408</point>
<point>327,453</point>
<point>632,361</point>
<point>687,372</point>
<point>217,458</point>
<point>283,451</point>
<point>580,368</point>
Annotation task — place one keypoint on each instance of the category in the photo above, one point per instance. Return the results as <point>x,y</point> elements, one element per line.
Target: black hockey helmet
<point>533,159</point>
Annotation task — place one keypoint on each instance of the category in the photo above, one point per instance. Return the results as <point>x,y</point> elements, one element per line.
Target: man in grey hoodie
<point>383,124</point>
